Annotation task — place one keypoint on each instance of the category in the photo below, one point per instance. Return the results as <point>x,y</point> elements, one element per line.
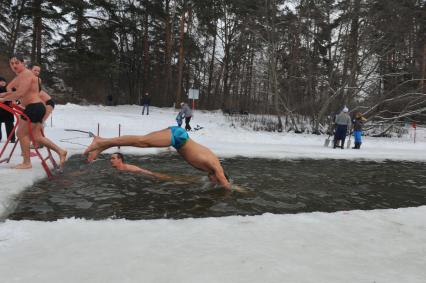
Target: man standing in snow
<point>146,100</point>
<point>186,112</point>
<point>28,93</point>
<point>343,124</point>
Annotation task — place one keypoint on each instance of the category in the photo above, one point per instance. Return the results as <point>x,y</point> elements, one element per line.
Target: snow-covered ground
<point>353,246</point>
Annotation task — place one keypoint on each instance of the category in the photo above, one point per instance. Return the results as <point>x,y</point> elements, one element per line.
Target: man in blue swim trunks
<point>194,153</point>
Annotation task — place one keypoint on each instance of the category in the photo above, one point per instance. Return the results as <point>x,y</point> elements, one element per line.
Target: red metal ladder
<point>18,111</point>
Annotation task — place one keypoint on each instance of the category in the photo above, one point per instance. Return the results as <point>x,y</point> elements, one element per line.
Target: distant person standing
<point>186,112</point>
<point>343,124</point>
<point>5,116</point>
<point>146,100</point>
<point>44,96</point>
<point>358,123</point>
<point>179,119</point>
<point>109,100</point>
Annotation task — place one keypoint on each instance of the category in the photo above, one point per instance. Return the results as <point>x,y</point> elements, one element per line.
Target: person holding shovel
<point>343,124</point>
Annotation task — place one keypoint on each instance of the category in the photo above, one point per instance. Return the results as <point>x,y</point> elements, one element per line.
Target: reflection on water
<point>96,191</point>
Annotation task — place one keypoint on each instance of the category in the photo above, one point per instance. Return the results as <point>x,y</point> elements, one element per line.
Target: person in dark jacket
<point>146,100</point>
<point>5,116</point>
<point>186,112</point>
<point>343,124</point>
<point>358,123</point>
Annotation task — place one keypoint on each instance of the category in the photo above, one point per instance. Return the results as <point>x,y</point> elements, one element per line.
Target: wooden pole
<point>119,132</point>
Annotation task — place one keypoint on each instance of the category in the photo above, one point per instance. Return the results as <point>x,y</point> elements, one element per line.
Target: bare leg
<point>49,110</point>
<point>155,139</point>
<point>48,143</point>
<point>24,142</point>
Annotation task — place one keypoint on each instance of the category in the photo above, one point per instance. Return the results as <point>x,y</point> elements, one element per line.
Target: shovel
<point>348,144</point>
<point>327,141</point>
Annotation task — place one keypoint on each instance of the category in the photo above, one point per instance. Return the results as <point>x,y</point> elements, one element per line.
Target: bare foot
<point>62,158</point>
<point>94,148</point>
<point>23,166</point>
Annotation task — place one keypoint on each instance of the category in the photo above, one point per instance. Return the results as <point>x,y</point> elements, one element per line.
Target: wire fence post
<point>119,133</point>
<point>98,130</point>
<point>414,128</point>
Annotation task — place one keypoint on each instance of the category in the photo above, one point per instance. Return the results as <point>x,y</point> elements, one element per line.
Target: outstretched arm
<point>136,169</point>
<point>220,176</point>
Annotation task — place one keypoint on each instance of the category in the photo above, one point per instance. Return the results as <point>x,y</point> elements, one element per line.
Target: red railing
<point>18,111</point>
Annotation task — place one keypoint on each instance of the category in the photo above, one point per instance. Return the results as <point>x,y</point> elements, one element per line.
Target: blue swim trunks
<point>179,137</point>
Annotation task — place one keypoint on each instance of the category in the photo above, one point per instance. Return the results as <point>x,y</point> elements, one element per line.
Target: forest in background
<point>285,58</point>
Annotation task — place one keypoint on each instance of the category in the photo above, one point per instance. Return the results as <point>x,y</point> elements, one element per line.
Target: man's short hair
<point>35,65</point>
<point>18,57</point>
<point>3,80</point>
<point>119,155</point>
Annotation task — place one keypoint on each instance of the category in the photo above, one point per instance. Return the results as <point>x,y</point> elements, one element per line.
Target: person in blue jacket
<point>358,123</point>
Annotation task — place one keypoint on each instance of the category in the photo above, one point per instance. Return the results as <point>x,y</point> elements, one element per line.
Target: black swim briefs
<point>51,103</point>
<point>35,111</point>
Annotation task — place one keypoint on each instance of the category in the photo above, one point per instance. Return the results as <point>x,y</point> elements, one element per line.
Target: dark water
<point>97,191</point>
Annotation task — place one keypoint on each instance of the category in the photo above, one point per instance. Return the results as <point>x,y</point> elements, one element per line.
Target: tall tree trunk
<point>272,53</point>
<point>423,70</point>
<point>146,64</point>
<point>181,57</point>
<point>16,28</point>
<point>36,15</point>
<point>168,56</point>
<point>39,39</point>
<point>353,51</point>
<point>79,29</point>
<point>211,67</point>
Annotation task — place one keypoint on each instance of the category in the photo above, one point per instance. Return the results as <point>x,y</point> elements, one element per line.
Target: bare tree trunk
<point>423,70</point>
<point>211,67</point>
<point>181,57</point>
<point>272,60</point>
<point>353,51</point>
<point>146,64</point>
<point>79,30</point>
<point>168,56</point>
<point>36,14</point>
<point>16,28</point>
<point>39,38</point>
